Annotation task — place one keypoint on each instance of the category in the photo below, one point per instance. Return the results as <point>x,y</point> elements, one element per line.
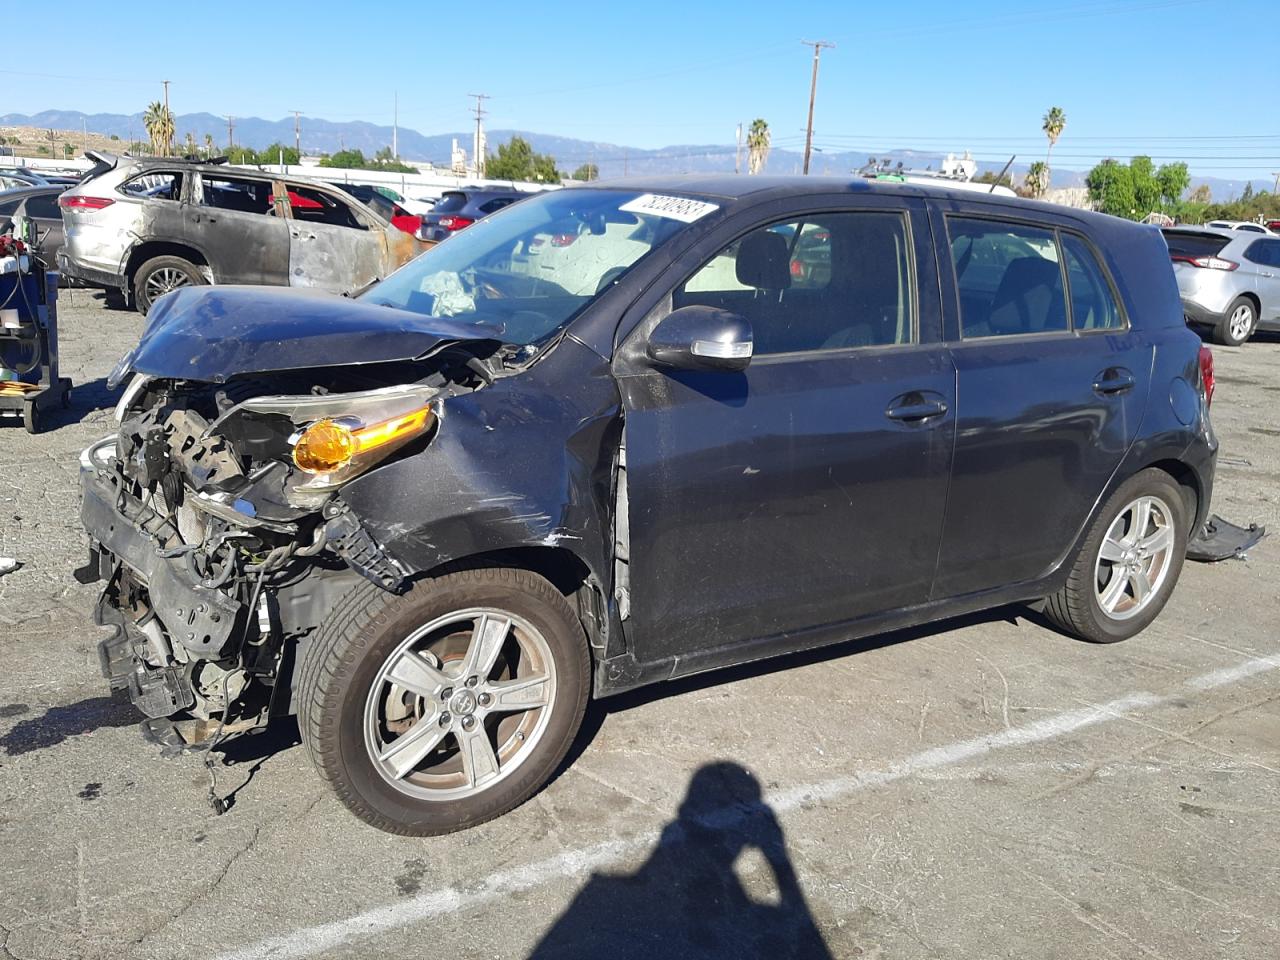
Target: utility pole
<point>813,92</point>
<point>737,152</point>
<point>478,148</point>
<point>1276,188</point>
<point>395,128</point>
<point>231,132</point>
<point>297,133</point>
<point>168,132</point>
<point>84,126</point>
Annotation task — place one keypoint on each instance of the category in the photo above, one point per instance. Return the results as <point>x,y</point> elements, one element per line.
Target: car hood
<point>215,333</point>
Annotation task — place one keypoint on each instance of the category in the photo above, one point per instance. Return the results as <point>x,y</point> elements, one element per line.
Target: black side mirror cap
<point>698,337</point>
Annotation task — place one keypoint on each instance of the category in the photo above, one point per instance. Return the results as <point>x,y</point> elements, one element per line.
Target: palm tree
<point>1037,179</point>
<point>1055,121</point>
<point>159,122</point>
<point>208,146</point>
<point>190,144</point>
<point>757,145</point>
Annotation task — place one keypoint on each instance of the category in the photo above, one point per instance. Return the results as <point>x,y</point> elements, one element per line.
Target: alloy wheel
<point>460,704</point>
<point>163,280</point>
<point>1241,322</point>
<point>1135,558</point>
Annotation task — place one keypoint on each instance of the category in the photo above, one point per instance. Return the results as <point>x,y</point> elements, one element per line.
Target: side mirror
<point>701,338</point>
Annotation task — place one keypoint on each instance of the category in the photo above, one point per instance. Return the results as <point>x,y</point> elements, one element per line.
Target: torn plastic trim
<point>1221,540</point>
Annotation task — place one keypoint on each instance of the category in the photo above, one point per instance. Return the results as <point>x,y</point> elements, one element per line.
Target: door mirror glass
<point>701,338</point>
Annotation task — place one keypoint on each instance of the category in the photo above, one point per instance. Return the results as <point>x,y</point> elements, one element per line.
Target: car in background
<point>1229,280</point>
<point>1246,225</point>
<point>387,208</point>
<point>39,205</point>
<point>415,207</point>
<point>458,209</point>
<point>146,226</point>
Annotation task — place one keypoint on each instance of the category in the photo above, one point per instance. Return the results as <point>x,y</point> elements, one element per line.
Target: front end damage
<point>216,529</point>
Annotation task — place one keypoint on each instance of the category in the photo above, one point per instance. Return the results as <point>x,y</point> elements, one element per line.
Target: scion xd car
<point>611,436</point>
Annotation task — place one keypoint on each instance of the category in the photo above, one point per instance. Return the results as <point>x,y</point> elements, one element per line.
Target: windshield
<point>532,267</point>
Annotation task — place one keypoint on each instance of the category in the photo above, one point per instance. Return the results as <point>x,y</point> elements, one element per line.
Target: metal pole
<point>813,92</point>
<point>169,133</point>
<point>297,133</point>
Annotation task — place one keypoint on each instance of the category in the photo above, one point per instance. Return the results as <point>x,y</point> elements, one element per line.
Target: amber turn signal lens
<point>324,447</point>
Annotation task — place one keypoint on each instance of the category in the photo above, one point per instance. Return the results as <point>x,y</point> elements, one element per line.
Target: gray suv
<point>1229,280</point>
<point>147,226</point>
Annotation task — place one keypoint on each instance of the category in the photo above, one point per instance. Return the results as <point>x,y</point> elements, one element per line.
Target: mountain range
<point>326,136</point>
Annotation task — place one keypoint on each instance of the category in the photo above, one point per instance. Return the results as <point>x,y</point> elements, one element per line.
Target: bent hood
<point>215,333</point>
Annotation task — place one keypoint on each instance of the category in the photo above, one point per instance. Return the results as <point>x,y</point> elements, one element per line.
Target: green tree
<point>1174,178</point>
<point>757,145</point>
<point>1146,188</point>
<point>517,160</point>
<point>208,146</point>
<point>68,150</point>
<point>345,159</point>
<point>1110,186</point>
<point>588,171</point>
<point>159,123</point>
<point>1247,195</point>
<point>1201,194</point>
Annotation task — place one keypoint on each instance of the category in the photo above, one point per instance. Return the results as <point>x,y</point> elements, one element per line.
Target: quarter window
<point>156,185</point>
<point>1009,278</point>
<point>827,282</point>
<point>1263,252</point>
<point>314,206</point>
<point>1093,305</point>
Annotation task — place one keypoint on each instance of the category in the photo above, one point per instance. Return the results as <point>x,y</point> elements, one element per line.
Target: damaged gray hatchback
<point>618,434</point>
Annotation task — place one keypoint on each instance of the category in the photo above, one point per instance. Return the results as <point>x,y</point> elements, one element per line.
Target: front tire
<point>159,276</point>
<point>449,705</point>
<point>1238,325</point>
<point>1129,562</point>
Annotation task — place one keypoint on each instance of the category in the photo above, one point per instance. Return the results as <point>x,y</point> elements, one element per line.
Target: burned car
<point>622,433</point>
<point>140,227</point>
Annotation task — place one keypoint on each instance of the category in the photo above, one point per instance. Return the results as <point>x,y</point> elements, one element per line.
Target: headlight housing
<point>331,438</point>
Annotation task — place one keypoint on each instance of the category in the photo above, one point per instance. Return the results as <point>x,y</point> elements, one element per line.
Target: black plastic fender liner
<point>1221,540</point>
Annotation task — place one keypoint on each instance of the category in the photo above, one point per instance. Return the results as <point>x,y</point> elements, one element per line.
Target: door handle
<point>914,409</point>
<point>1114,381</point>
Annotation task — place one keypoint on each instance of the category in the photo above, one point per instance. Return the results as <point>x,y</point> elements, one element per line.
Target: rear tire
<point>160,275</point>
<point>385,669</point>
<point>1239,323</point>
<point>1094,606</point>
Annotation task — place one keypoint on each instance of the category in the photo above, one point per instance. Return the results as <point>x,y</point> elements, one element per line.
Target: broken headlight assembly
<point>328,438</point>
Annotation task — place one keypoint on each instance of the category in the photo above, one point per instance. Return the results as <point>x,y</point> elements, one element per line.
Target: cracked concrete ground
<point>981,788</point>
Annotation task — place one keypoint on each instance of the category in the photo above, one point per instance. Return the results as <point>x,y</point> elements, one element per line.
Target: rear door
<point>235,222</point>
<point>1264,256</point>
<point>808,489</point>
<point>1052,383</point>
<point>331,246</point>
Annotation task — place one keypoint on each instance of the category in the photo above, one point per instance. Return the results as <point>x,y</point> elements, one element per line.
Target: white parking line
<point>311,941</point>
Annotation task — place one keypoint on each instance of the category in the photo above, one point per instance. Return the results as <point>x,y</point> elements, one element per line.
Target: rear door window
<point>315,206</point>
<point>493,205</point>
<point>1263,252</point>
<point>235,193</point>
<point>154,185</point>
<point>1009,278</point>
<point>1093,303</point>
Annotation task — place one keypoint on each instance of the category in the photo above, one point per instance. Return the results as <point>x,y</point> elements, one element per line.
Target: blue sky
<point>1171,78</point>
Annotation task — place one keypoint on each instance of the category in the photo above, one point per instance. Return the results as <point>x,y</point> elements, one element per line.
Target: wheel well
<point>1252,298</point>
<point>160,248</point>
<point>562,567</point>
<point>1187,482</point>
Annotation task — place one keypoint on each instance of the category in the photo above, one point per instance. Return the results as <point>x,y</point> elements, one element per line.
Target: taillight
<point>563,239</point>
<point>78,201</point>
<point>455,223</point>
<point>1210,263</point>
<point>1206,373</point>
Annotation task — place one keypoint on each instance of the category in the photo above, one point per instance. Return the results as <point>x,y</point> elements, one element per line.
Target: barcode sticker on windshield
<point>673,208</point>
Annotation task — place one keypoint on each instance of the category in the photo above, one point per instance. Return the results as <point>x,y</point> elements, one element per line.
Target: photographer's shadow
<point>687,900</point>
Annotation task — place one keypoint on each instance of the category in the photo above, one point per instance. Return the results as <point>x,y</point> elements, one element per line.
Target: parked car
<point>1246,225</point>
<point>147,226</point>
<point>415,207</point>
<point>457,209</point>
<point>40,205</point>
<point>437,519</point>
<point>391,211</point>
<point>1229,280</point>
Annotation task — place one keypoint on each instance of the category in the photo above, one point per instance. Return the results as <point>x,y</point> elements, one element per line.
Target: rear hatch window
<point>1188,244</point>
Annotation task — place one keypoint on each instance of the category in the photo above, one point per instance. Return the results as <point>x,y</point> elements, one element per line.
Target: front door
<point>808,489</point>
<point>1052,386</point>
<point>235,222</point>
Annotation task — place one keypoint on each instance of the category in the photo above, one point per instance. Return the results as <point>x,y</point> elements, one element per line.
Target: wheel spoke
<point>1114,591</point>
<point>1141,520</point>
<point>1162,539</point>
<point>487,638</point>
<point>416,675</point>
<point>1112,550</point>
<point>523,693</point>
<point>1141,585</point>
<point>478,759</point>
<point>407,751</point>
